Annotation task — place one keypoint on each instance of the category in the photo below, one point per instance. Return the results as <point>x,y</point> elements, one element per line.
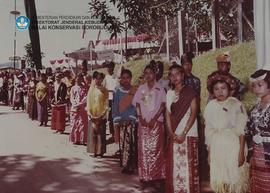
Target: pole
<point>121,48</point>
<point>91,54</point>
<point>126,46</point>
<point>76,67</point>
<point>14,52</point>
<point>215,25</point>
<point>213,28</point>
<point>196,36</point>
<point>167,38</point>
<point>187,32</point>
<point>240,21</point>
<point>218,40</point>
<point>248,22</point>
<point>162,42</point>
<point>180,34</point>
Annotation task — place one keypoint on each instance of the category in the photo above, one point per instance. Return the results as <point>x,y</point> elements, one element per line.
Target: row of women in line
<point>38,94</point>
<point>227,130</point>
<point>144,115</point>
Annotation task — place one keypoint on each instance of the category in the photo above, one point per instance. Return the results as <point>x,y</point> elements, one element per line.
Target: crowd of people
<point>155,124</point>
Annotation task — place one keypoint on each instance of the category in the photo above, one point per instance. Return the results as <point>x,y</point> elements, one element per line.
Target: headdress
<point>258,75</point>
<point>225,57</point>
<point>220,76</point>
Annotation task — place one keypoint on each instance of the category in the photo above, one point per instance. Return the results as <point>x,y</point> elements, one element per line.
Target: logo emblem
<point>22,23</point>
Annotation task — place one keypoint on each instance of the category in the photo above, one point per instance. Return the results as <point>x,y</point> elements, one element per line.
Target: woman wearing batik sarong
<point>258,134</point>
<point>225,121</point>
<point>32,101</point>
<point>78,114</point>
<point>41,96</point>
<point>182,153</point>
<point>58,119</point>
<point>97,106</point>
<point>149,101</point>
<point>124,119</point>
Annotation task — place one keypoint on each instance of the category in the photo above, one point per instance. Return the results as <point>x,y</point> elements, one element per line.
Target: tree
<point>228,19</point>
<point>30,10</point>
<point>139,15</point>
<point>143,16</point>
<point>29,56</point>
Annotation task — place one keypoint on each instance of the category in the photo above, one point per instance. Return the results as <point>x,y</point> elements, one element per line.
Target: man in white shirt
<point>111,83</point>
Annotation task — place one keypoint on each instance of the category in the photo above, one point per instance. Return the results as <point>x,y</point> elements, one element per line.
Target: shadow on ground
<point>32,174</point>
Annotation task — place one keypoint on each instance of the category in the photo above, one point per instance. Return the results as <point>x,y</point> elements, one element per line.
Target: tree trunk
<point>30,10</point>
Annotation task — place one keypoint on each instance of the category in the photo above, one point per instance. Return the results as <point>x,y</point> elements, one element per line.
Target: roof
<point>9,65</point>
<point>138,38</point>
<point>82,54</point>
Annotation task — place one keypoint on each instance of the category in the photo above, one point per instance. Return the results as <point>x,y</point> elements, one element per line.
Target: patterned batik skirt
<point>259,171</point>
<point>32,107</point>
<point>42,111</point>
<point>151,158</point>
<point>79,126</point>
<point>185,166</point>
<point>128,146</point>
<point>58,118</point>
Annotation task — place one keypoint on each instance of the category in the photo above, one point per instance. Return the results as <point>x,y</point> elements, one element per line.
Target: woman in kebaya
<point>78,114</point>
<point>149,101</point>
<point>182,153</point>
<point>258,134</point>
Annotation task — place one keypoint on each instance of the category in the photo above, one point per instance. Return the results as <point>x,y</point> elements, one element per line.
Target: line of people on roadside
<point>155,124</point>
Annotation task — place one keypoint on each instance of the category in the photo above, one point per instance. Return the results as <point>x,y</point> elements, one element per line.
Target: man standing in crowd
<point>190,79</point>
<point>110,83</point>
<point>223,67</point>
<point>97,106</point>
<point>18,93</point>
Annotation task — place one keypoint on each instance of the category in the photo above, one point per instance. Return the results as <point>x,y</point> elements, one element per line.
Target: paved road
<point>34,159</point>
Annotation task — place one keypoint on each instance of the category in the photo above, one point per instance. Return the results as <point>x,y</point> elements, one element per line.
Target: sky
<point>53,42</point>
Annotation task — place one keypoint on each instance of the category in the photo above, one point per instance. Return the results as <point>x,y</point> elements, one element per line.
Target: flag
<point>52,62</point>
<point>98,36</point>
<point>60,61</point>
<point>84,28</point>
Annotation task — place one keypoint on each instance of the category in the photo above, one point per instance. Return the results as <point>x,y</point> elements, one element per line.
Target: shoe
<point>99,156</point>
<point>117,153</point>
<point>40,124</point>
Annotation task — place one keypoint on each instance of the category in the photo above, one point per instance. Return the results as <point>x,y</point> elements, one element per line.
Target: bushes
<point>243,61</point>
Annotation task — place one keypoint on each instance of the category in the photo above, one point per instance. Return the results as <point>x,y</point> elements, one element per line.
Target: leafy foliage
<point>141,16</point>
<point>29,56</point>
<point>147,16</point>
